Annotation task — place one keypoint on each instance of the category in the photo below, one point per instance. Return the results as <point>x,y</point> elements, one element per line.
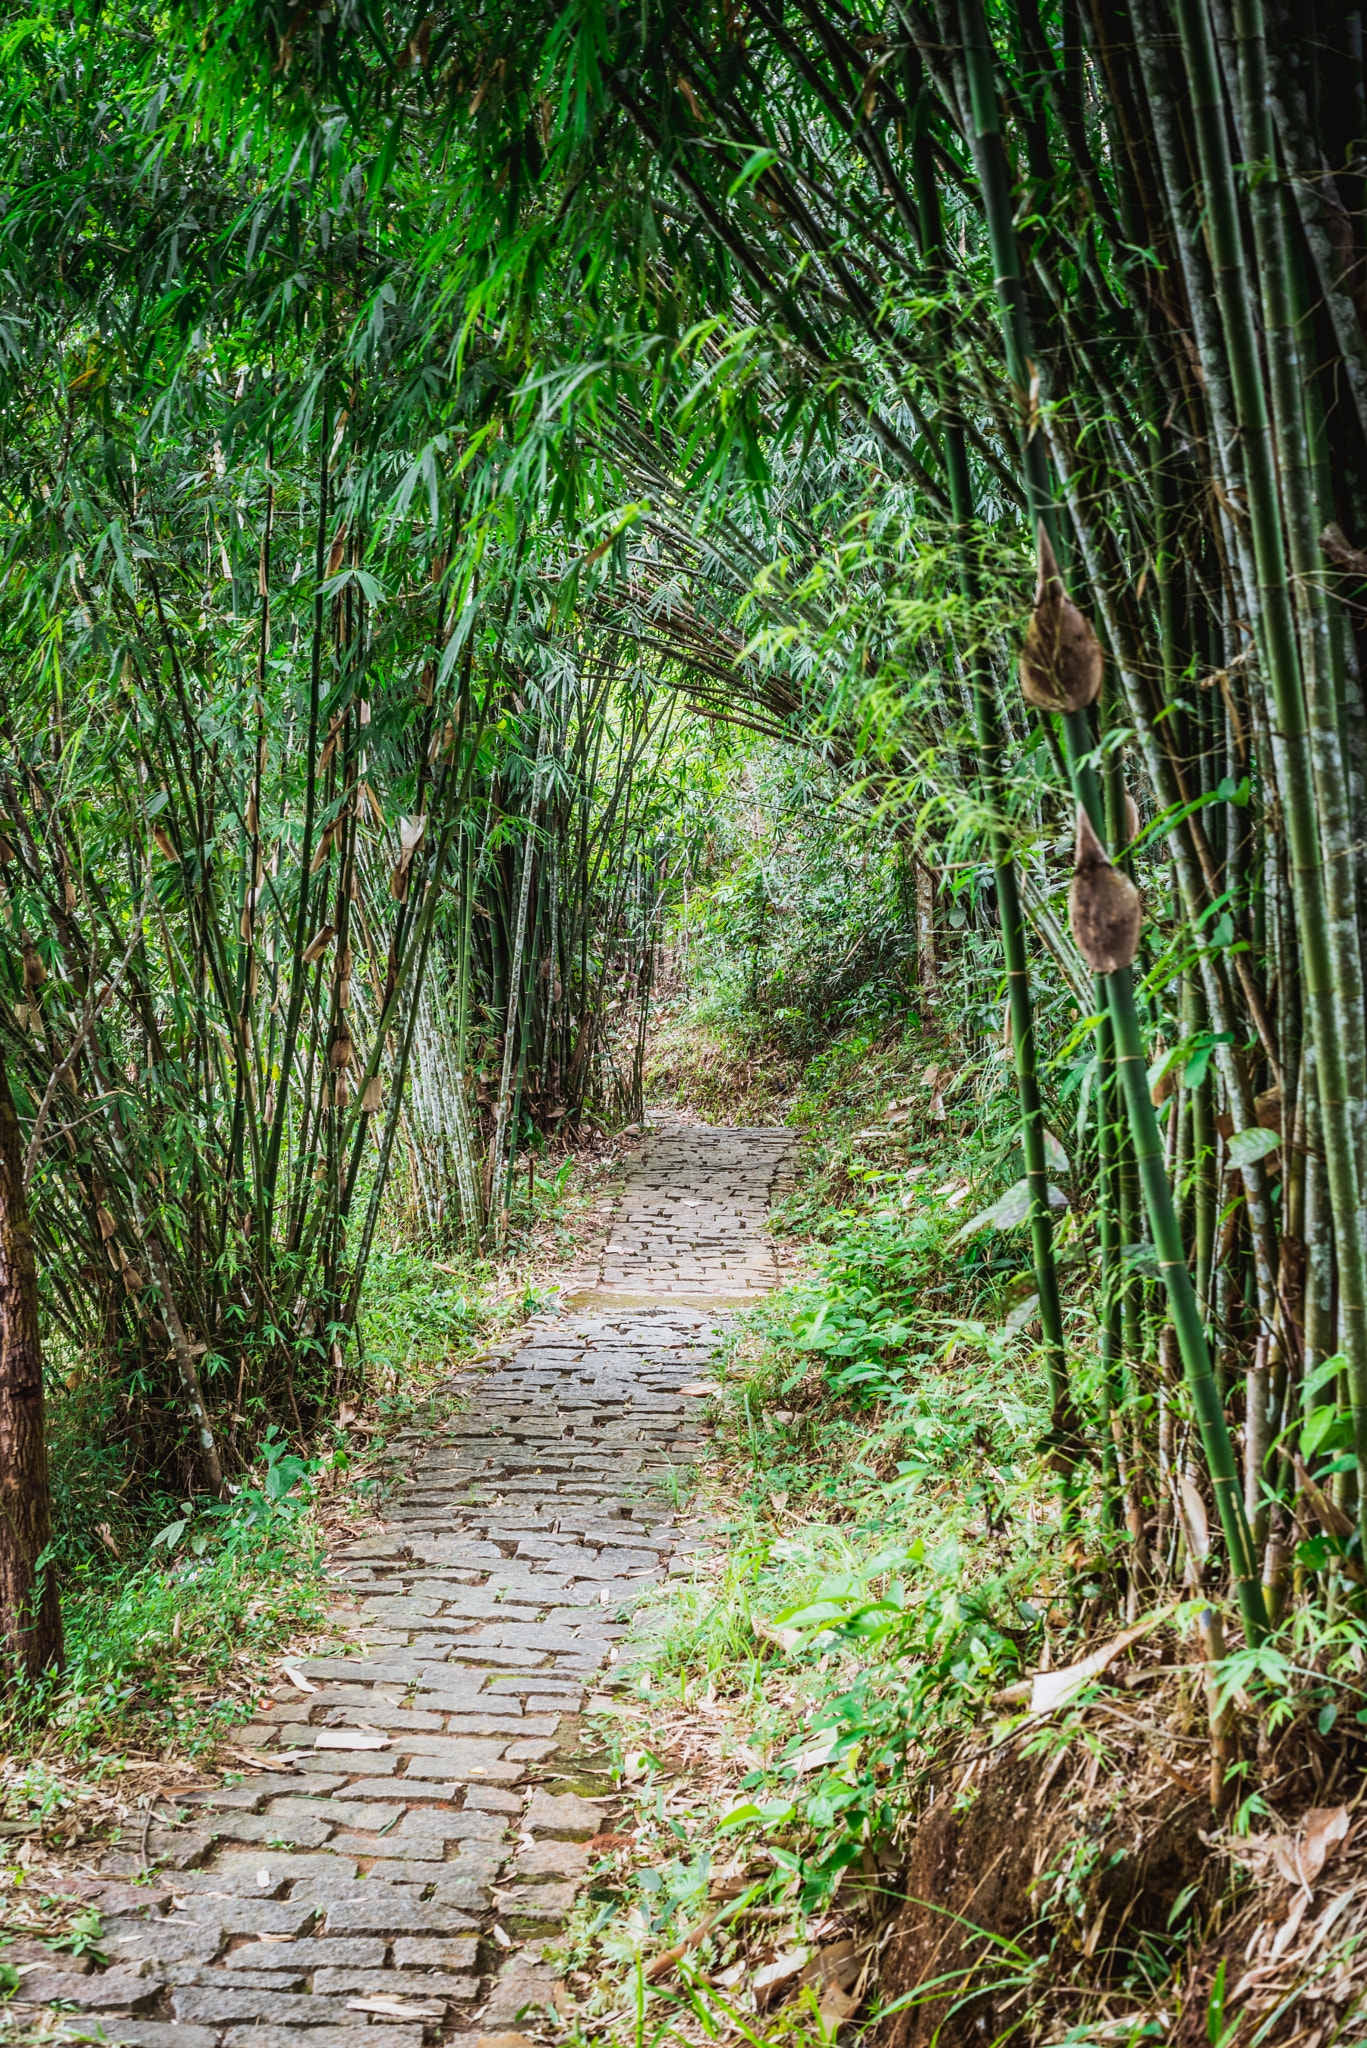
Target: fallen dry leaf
<point>837,1963</point>
<point>779,1971</point>
<point>1301,1858</point>
<point>836,2005</point>
<point>1053,1689</point>
<point>1287,1931</point>
<point>266,1760</point>
<point>395,2008</point>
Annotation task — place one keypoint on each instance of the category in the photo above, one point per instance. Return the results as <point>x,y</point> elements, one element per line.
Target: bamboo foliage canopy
<point>505,370</point>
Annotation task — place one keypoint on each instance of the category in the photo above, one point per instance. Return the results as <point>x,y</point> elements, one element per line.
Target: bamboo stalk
<point>1326,965</point>
<point>1014,954</point>
<point>1221,1714</point>
<point>514,985</point>
<point>290,1032</point>
<point>1131,1065</point>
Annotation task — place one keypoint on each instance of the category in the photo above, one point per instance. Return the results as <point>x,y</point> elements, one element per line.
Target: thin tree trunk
<point>505,1086</point>
<point>30,1613</point>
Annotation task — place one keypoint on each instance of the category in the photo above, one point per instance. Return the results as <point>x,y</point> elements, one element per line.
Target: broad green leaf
<point>1246,1147</point>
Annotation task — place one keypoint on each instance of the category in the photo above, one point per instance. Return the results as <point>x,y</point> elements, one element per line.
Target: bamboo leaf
<point>1248,1146</point>
<point>1008,1211</point>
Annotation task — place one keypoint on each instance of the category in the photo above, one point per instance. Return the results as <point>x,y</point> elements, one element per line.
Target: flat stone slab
<point>108,1991</point>
<point>564,1814</point>
<point>390,1915</point>
<point>209,2007</point>
<point>440,1988</point>
<point>266,1866</point>
<point>434,1952</point>
<point>357,2035</point>
<point>165,1941</point>
<point>361,1954</point>
<point>247,1916</point>
<point>156,2034</point>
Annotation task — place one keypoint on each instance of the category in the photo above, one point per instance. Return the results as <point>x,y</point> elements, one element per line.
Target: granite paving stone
<point>224,1977</point>
<point>284,1815</point>
<point>545,1902</point>
<point>439,1987</point>
<point>562,1814</point>
<point>390,1915</point>
<point>116,1990</point>
<point>363,1953</point>
<point>208,2006</point>
<point>165,1940</point>
<point>219,1884</point>
<point>297,1831</point>
<point>120,2033</point>
<point>355,2035</point>
<point>270,1867</point>
<point>435,1952</point>
<point>247,1916</point>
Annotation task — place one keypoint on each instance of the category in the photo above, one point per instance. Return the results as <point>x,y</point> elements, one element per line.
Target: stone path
<point>691,1220</point>
<point>423,1827</point>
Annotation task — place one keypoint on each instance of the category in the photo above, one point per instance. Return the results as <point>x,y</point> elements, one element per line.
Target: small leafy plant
<point>256,1513</point>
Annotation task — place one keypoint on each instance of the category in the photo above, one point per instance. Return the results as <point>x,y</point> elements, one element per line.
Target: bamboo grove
<point>441,398</point>
<point>310,879</point>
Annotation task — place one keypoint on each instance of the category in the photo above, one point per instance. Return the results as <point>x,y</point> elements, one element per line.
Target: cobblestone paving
<point>421,1834</point>
<point>691,1219</point>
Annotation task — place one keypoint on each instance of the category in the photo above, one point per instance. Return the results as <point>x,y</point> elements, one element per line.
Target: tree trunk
<point>30,1615</point>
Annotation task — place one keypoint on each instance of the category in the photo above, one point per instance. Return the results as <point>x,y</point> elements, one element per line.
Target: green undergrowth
<point>889,1556</point>
<point>174,1603</point>
<point>718,1061</point>
<point>165,1648</point>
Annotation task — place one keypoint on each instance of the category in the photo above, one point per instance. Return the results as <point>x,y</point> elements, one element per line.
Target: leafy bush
<point>159,1652</point>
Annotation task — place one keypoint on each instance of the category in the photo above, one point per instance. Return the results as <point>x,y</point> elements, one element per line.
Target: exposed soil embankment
<point>1012,1841</point>
<point>1038,1880</point>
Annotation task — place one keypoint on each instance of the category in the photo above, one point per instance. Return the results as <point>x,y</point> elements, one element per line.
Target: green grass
<point>415,1317</point>
<point>163,1656</point>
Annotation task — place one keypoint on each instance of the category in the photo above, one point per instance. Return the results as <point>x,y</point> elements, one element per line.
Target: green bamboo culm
<point>1109,1292</point>
<point>1020,1008</point>
<point>1341,1057</point>
<point>1131,1067</point>
<point>290,1035</point>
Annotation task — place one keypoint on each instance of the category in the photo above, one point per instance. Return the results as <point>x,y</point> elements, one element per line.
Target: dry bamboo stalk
<point>1222,1742</point>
